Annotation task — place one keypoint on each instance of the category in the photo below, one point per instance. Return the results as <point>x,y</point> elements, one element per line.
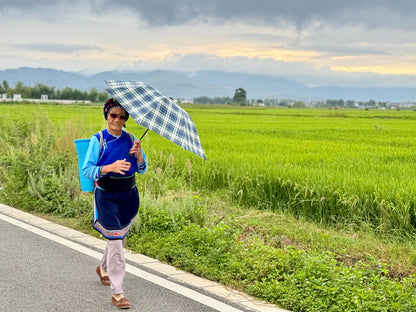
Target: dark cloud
<point>368,13</point>
<point>371,13</point>
<point>54,47</point>
<point>29,5</point>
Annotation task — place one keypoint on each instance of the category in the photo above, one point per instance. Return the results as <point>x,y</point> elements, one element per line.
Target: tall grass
<point>37,168</point>
<point>345,168</point>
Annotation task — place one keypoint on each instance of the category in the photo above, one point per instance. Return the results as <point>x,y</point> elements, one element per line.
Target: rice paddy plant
<point>351,170</point>
<point>335,168</point>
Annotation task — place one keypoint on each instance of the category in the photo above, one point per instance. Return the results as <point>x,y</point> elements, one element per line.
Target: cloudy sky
<point>317,42</point>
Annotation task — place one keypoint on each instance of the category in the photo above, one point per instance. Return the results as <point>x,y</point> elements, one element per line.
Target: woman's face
<point>114,122</point>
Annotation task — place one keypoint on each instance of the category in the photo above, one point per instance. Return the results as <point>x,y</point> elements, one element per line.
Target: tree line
<point>239,98</point>
<point>53,93</point>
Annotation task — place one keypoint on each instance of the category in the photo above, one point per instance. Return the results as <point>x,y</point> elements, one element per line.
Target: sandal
<point>105,280</point>
<point>123,303</point>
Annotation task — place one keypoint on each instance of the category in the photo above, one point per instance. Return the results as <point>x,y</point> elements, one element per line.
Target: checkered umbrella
<point>159,113</point>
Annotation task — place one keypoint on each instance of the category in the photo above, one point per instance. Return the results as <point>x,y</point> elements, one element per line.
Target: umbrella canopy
<point>159,113</point>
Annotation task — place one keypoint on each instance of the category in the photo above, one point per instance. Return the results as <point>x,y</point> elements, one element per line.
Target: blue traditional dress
<point>116,199</point>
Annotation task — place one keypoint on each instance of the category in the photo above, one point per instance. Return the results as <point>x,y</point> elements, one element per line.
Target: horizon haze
<point>208,83</point>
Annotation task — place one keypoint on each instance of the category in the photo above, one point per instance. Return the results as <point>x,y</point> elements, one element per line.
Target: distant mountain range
<point>206,83</point>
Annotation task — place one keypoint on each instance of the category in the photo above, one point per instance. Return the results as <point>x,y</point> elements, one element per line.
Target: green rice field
<point>348,168</point>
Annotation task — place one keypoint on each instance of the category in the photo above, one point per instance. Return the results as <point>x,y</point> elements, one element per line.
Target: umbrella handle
<point>130,154</point>
<point>143,134</point>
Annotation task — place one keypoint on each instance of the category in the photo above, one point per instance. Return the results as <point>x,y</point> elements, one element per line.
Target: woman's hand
<point>137,151</point>
<point>119,166</point>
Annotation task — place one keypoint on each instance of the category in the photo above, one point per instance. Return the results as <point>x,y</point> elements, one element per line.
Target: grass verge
<point>289,261</point>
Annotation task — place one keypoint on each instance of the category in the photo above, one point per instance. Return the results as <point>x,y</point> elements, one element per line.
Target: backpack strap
<point>101,139</point>
<point>131,137</point>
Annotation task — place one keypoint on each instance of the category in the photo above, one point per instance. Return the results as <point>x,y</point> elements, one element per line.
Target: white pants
<point>114,264</point>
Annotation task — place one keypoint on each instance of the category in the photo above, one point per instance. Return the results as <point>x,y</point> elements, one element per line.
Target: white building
<point>43,99</point>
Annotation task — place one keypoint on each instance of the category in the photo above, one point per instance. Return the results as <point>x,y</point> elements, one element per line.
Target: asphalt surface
<point>48,267</point>
<point>37,274</point>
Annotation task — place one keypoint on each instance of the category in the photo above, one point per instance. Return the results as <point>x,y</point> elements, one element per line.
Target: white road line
<point>182,290</point>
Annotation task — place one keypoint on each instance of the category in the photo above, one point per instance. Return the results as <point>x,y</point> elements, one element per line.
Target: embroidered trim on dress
<point>112,234</point>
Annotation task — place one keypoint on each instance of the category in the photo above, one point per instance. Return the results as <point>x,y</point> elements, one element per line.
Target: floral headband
<point>110,104</point>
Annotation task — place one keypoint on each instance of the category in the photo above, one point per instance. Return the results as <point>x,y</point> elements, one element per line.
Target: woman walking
<point>112,159</point>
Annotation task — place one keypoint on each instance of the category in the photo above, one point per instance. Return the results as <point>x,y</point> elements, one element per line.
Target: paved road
<point>42,270</point>
<point>37,274</point>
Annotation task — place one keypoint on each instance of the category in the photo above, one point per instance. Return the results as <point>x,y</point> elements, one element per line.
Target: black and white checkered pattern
<point>159,113</point>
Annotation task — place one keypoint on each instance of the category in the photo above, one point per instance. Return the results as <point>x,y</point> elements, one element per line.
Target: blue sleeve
<point>90,170</point>
<point>142,167</point>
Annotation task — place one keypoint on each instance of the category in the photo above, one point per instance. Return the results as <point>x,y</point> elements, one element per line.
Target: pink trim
<point>112,233</point>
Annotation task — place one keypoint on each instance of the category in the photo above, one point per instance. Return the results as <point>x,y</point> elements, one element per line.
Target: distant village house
<point>43,99</point>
